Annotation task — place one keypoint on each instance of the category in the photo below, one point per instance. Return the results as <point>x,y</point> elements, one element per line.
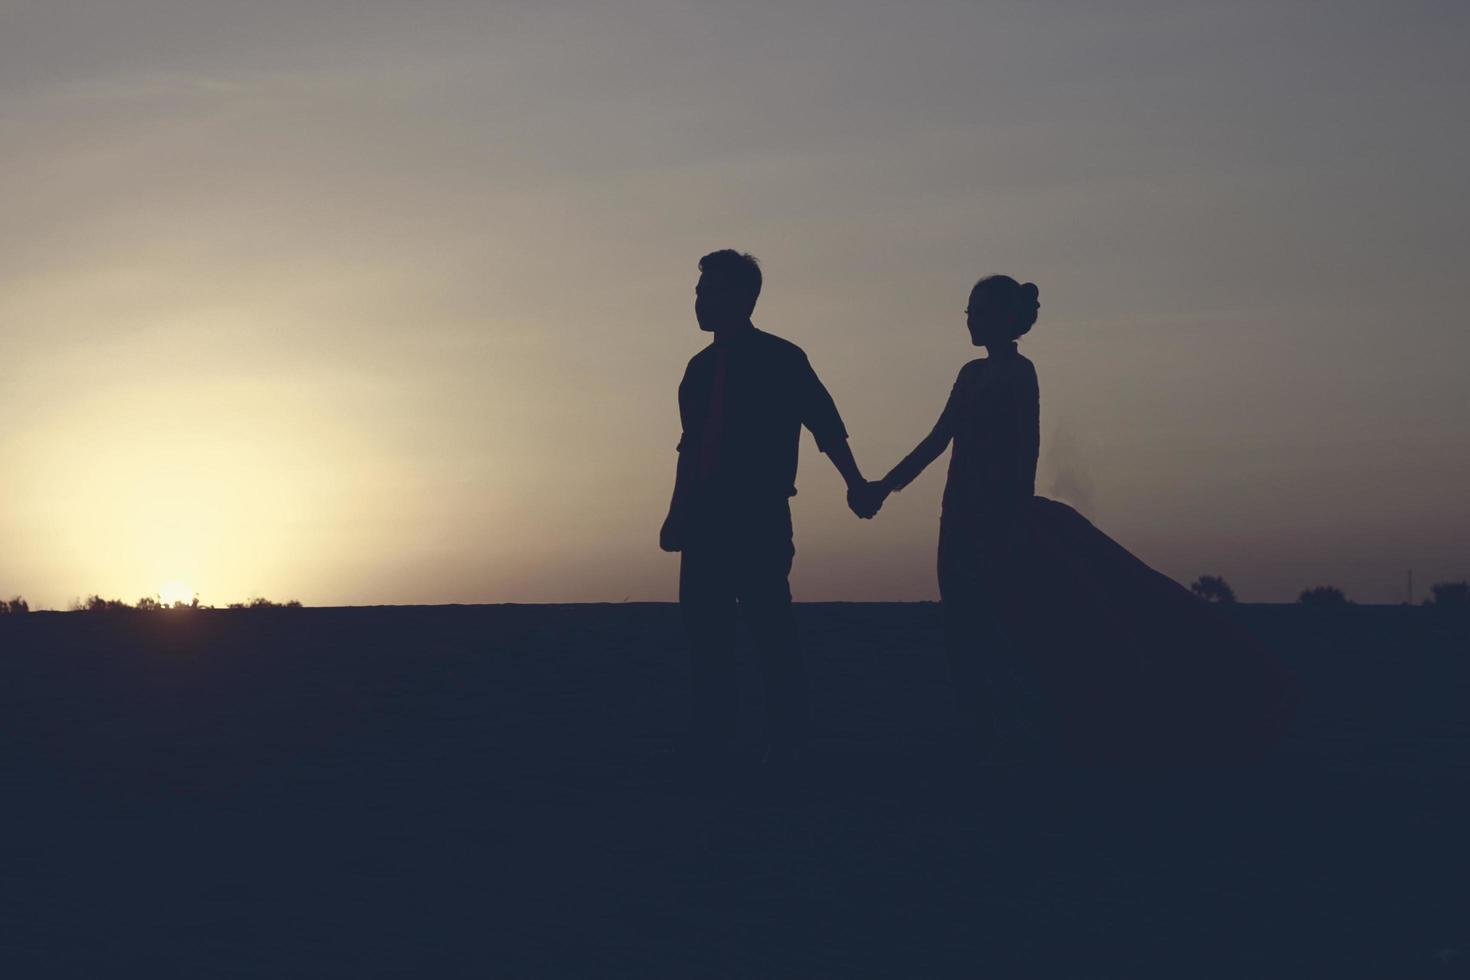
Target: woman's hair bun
<point>1026,309</point>
<point>1005,296</point>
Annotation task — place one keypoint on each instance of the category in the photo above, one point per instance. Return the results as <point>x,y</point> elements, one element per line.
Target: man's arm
<point>841,456</point>
<point>671,535</point>
<point>820,415</point>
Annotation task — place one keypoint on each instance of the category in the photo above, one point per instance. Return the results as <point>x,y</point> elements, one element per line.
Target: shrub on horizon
<point>15,606</point>
<point>1213,588</point>
<point>1324,596</point>
<point>95,603</point>
<point>260,602</point>
<point>152,604</point>
<point>1450,595</point>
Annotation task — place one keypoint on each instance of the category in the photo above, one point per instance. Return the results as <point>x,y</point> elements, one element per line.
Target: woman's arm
<point>928,450</point>
<point>866,500</point>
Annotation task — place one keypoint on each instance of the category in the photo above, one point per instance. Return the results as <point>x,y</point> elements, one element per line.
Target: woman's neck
<point>1004,349</point>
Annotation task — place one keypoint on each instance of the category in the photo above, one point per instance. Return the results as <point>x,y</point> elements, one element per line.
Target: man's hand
<point>671,535</point>
<point>866,499</point>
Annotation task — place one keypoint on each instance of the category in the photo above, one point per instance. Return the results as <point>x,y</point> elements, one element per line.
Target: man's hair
<point>738,273</point>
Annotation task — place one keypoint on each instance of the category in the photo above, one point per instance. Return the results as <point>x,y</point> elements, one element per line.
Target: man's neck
<point>729,334</point>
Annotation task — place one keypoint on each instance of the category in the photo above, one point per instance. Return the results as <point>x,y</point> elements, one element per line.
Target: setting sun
<point>175,591</point>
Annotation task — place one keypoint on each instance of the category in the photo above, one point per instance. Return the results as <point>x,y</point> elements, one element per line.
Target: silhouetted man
<point>742,402</point>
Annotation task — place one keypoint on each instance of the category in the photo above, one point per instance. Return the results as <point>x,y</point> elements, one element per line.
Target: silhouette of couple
<point>1061,644</point>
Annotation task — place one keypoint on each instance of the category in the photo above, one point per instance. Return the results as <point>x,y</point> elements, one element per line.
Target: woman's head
<point>1001,310</point>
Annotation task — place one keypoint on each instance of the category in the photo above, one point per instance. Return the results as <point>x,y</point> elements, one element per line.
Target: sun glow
<point>175,591</point>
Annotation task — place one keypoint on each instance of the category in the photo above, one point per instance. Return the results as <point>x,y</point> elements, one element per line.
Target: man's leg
<point>707,603</point>
<point>765,600</point>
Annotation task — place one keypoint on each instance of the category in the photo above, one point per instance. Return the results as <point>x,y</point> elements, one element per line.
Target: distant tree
<point>1325,596</point>
<point>1213,588</point>
<point>149,604</point>
<point>15,605</point>
<point>1450,595</point>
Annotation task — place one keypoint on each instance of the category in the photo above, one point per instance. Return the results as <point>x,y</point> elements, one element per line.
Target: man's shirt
<point>742,404</point>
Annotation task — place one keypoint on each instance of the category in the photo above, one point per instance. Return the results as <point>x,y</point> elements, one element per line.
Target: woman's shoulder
<point>990,373</point>
<point>970,370</point>
<point>1013,376</point>
<point>1016,365</point>
<point>968,376</point>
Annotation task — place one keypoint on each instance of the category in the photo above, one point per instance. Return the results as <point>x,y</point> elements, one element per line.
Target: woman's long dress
<point>1119,662</point>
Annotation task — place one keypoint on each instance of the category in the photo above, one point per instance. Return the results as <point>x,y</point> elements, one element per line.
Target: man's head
<point>729,284</point>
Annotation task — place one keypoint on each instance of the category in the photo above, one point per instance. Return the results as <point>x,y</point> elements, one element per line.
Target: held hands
<point>867,498</point>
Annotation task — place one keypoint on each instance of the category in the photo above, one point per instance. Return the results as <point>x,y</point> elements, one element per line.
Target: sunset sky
<point>360,302</point>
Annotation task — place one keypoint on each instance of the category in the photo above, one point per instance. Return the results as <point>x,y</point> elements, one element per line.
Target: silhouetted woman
<point>1060,641</point>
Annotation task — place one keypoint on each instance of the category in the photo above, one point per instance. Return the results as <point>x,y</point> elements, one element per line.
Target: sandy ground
<point>485,791</point>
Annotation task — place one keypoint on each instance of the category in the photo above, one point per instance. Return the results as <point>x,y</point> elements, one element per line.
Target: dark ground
<point>462,791</point>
